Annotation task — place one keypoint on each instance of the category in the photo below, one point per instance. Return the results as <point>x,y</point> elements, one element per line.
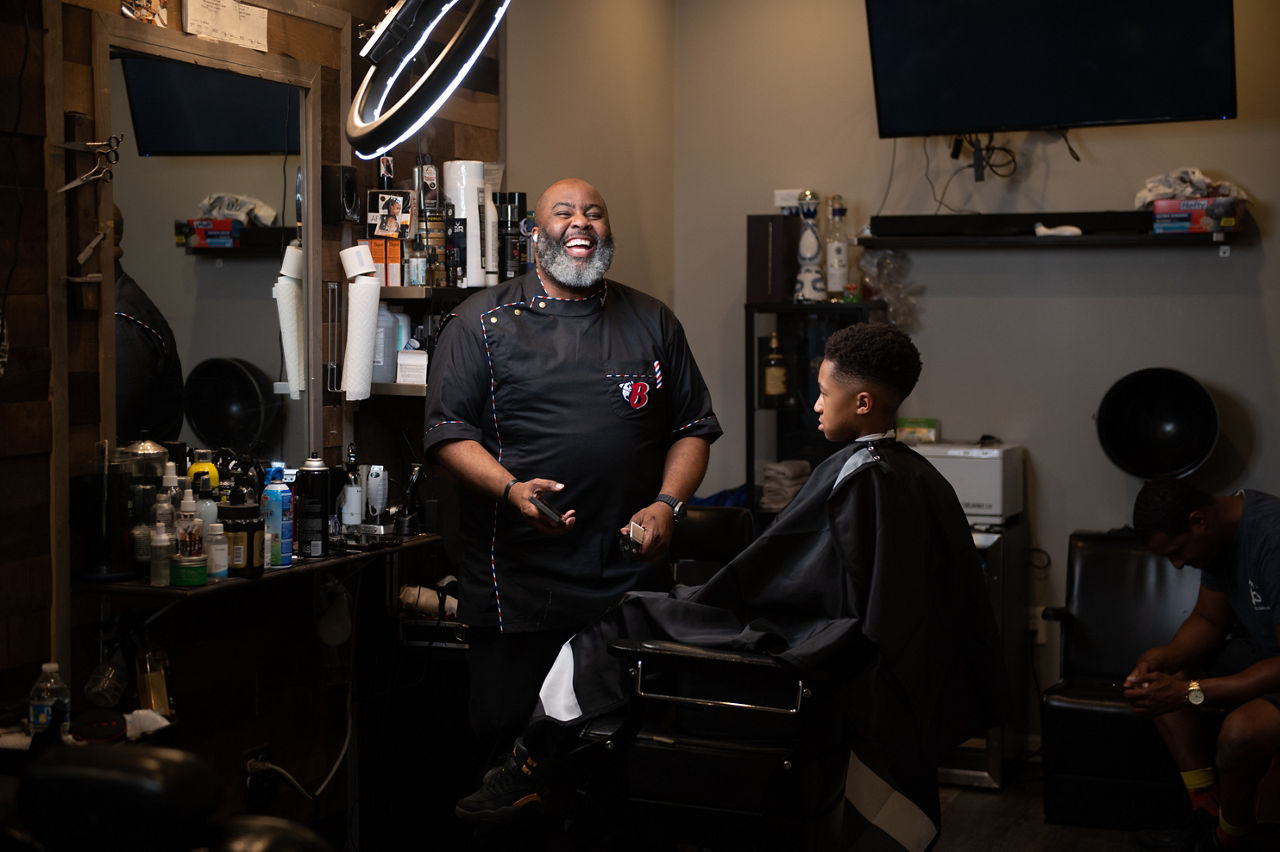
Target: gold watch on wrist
<point>1195,695</point>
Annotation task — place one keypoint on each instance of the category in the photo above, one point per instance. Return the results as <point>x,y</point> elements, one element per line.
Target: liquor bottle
<point>809,284</point>
<point>837,250</point>
<point>773,372</point>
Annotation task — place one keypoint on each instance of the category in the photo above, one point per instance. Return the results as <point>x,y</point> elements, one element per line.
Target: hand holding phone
<point>547,512</point>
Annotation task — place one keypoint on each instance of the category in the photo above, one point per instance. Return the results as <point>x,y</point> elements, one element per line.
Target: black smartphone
<point>550,513</point>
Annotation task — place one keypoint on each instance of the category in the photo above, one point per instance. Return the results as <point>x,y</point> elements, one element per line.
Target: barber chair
<point>717,749</point>
<point>136,798</point>
<point>1104,765</point>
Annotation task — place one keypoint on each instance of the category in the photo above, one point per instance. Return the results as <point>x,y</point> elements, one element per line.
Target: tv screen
<point>185,109</point>
<point>950,67</point>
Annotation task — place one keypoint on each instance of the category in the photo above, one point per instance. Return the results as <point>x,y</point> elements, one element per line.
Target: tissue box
<point>1198,215</point>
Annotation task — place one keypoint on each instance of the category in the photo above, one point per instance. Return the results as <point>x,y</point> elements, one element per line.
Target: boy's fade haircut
<point>879,352</point>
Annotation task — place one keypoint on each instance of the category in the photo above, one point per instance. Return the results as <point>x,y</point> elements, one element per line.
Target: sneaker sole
<point>506,812</point>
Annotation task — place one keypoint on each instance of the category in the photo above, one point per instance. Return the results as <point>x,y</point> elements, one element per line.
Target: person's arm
<point>682,472</point>
<point>475,468</point>
<point>1259,679</point>
<point>1156,685</point>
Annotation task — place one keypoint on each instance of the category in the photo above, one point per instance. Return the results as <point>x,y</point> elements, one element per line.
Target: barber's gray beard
<point>571,272</point>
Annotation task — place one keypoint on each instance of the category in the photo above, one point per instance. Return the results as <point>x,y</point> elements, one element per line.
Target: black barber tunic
<point>588,392</point>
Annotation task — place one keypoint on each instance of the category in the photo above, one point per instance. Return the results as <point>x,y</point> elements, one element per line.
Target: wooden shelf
<point>868,307</point>
<point>445,297</point>
<point>1088,240</point>
<point>397,389</point>
<point>254,242</point>
<point>300,567</point>
<point>1219,238</point>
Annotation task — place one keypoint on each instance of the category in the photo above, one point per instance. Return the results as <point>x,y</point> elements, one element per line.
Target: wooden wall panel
<point>309,41</point>
<point>26,98</point>
<point>28,428</point>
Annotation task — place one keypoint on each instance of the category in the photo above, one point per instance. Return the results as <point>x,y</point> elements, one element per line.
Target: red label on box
<point>1198,215</point>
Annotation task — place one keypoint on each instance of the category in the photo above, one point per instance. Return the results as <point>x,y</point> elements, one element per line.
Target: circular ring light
<point>374,126</point>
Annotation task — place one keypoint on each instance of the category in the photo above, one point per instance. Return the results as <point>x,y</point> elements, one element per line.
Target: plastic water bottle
<point>49,690</point>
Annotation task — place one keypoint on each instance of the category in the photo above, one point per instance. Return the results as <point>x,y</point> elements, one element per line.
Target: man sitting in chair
<point>869,575</point>
<point>1234,541</point>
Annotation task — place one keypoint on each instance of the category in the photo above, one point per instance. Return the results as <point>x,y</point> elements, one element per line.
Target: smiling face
<point>572,239</point>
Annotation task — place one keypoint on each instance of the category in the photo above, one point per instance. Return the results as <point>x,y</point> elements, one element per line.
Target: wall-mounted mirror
<point>217,301</point>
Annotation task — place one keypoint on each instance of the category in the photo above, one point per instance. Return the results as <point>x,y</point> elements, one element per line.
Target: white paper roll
<point>362,329</point>
<point>357,261</point>
<point>464,189</point>
<point>289,305</point>
<point>294,264</point>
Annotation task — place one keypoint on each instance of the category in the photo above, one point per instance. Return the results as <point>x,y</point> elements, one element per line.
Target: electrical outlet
<point>257,755</point>
<point>260,784</point>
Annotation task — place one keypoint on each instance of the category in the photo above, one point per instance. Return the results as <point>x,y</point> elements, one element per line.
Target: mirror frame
<point>112,32</point>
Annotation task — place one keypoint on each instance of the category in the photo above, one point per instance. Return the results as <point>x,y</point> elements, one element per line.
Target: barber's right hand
<point>1151,662</point>
<point>543,489</point>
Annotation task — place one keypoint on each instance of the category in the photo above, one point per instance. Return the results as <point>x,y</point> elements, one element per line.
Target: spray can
<point>277,518</point>
<point>313,506</point>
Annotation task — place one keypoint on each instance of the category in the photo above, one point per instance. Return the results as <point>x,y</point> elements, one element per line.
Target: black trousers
<point>506,673</point>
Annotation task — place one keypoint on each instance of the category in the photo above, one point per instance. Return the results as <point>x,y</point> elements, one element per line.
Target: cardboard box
<point>1197,215</point>
<point>213,233</point>
<point>378,251</point>
<point>393,263</point>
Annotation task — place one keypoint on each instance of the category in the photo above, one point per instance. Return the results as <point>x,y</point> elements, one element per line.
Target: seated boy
<point>869,575</point>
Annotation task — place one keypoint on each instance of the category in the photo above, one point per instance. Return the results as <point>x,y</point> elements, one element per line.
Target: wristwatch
<point>677,506</point>
<point>1195,695</point>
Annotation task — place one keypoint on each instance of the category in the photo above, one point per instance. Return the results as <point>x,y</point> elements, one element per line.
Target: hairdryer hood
<point>230,403</point>
<point>1157,422</point>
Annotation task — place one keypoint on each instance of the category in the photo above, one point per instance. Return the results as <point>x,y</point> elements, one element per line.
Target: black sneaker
<point>505,791</point>
<point>1195,832</point>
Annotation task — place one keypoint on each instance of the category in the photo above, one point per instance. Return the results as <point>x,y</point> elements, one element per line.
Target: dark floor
<point>1012,819</point>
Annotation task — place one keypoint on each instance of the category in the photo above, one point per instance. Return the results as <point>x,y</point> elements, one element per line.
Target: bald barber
<point>579,392</point>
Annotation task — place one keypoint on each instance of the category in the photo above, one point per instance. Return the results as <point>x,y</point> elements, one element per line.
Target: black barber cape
<point>869,575</point>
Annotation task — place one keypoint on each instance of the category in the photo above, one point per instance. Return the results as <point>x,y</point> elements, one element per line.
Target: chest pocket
<point>634,392</point>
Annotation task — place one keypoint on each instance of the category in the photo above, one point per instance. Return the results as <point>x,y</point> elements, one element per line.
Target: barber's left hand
<point>658,523</point>
<point>1158,693</point>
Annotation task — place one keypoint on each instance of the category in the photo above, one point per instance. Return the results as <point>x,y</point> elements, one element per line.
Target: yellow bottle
<point>203,464</point>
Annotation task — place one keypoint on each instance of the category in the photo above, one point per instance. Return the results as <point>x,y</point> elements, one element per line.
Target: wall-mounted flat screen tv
<point>951,67</point>
<point>186,109</point>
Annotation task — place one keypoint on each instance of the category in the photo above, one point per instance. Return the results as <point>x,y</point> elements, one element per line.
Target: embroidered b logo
<point>635,393</point>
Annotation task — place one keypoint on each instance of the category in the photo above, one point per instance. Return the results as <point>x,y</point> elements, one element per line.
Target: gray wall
<point>1019,344</point>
